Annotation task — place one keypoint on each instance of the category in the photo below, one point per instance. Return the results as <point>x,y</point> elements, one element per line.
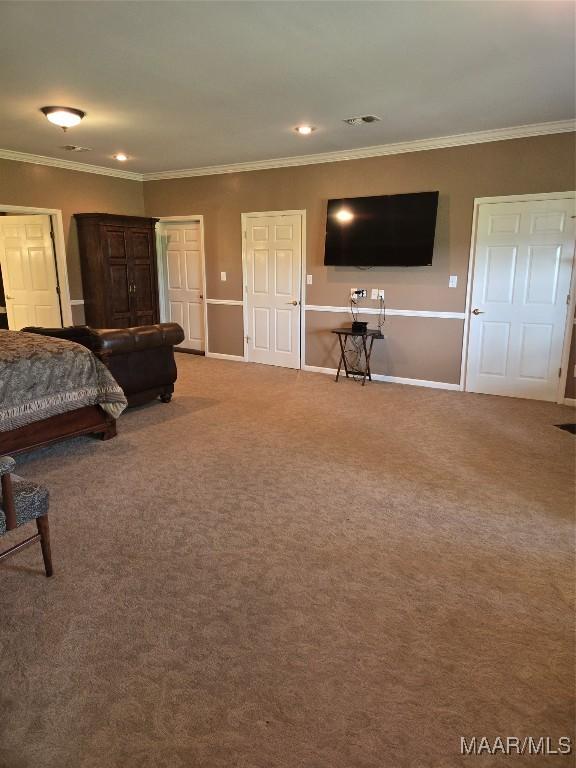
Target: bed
<point>51,389</point>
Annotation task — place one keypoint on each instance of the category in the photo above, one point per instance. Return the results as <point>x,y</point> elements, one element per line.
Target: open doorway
<point>33,273</point>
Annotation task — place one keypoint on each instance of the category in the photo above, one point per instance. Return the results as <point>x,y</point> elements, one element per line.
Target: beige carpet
<point>275,571</point>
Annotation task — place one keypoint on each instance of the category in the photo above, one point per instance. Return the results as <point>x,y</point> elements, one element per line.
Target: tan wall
<point>73,192</point>
<point>413,347</point>
<point>541,164</point>
<point>225,329</point>
<point>427,349</point>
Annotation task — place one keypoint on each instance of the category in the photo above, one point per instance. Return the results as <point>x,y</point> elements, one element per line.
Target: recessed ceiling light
<point>65,117</point>
<point>121,157</point>
<point>304,130</point>
<point>344,216</point>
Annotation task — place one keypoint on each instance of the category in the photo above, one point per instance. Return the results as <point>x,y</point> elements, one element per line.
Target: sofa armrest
<point>81,334</point>
<point>117,341</point>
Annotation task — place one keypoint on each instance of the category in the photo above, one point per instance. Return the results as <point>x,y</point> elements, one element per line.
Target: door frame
<point>244,217</point>
<point>59,254</point>
<point>161,268</point>
<point>568,323</point>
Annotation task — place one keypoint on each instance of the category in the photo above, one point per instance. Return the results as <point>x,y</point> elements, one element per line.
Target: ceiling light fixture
<point>65,117</point>
<point>121,157</point>
<point>304,130</point>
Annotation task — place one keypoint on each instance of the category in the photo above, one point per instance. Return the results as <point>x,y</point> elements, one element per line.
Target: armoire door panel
<point>115,246</point>
<point>140,245</point>
<point>143,293</point>
<point>119,295</point>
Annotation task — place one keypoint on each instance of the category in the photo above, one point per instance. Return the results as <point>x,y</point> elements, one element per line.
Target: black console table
<point>343,334</point>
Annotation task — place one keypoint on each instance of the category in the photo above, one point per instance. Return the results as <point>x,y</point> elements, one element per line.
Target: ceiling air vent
<point>74,148</point>
<point>362,120</point>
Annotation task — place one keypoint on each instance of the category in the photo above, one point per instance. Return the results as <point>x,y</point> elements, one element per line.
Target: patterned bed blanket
<point>41,377</point>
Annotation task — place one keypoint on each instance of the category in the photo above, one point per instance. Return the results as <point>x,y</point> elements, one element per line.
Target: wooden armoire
<point>119,271</point>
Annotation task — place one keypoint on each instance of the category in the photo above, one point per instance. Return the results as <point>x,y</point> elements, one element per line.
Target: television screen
<point>384,231</point>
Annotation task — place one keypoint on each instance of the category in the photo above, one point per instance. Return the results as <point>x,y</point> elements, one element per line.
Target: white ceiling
<point>192,84</point>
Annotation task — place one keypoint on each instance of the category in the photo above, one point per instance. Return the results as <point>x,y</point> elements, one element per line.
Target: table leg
<point>342,358</point>
<point>368,356</point>
<point>366,361</point>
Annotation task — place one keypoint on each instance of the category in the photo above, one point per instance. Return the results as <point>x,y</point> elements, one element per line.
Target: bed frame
<point>83,421</point>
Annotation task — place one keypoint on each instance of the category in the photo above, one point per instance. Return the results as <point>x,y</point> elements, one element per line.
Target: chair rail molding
<point>390,312</point>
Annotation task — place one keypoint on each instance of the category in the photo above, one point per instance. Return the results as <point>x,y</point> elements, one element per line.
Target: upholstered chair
<point>21,502</point>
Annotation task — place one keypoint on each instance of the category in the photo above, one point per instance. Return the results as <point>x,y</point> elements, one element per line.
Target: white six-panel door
<point>29,272</point>
<point>523,264</point>
<point>273,262</point>
<point>184,265</point>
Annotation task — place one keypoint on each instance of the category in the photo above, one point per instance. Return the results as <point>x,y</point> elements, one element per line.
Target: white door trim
<point>59,253</point>
<point>478,201</point>
<point>244,223</point>
<point>161,268</point>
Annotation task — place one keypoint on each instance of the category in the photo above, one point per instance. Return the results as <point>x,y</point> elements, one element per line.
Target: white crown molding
<point>69,165</point>
<point>420,145</point>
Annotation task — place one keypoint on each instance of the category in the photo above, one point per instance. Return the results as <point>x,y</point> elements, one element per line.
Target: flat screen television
<point>383,231</point>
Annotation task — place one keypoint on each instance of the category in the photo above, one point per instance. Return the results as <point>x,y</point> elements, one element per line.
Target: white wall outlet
<point>374,294</point>
<point>453,281</point>
<point>308,279</point>
<point>223,276</point>
<point>353,293</point>
<point>381,293</point>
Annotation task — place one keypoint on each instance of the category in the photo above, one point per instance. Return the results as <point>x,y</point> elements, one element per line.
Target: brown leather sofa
<point>141,359</point>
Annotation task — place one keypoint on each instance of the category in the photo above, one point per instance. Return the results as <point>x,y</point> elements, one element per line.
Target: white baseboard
<point>570,401</point>
<point>390,379</point>
<point>219,356</point>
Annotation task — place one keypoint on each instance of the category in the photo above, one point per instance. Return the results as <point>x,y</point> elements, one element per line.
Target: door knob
<point>9,297</point>
<point>477,312</point>
<point>294,303</point>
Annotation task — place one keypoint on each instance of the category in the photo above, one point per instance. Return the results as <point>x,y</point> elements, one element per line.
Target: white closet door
<point>272,292</point>
<point>523,265</point>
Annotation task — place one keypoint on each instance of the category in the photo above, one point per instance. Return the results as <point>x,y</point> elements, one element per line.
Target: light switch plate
<point>453,281</point>
<point>308,279</point>
<point>223,276</point>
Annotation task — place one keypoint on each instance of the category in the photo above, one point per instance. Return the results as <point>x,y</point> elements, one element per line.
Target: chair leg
<point>44,531</point>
